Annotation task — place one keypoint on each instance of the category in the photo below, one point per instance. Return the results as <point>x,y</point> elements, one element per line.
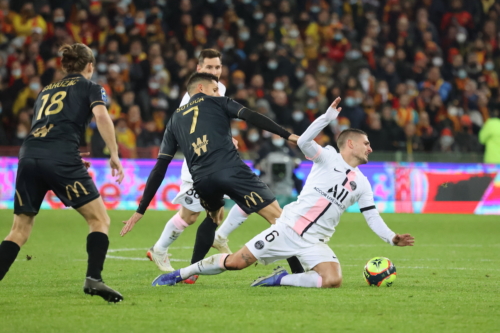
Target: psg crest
<point>259,245</point>
<point>189,200</point>
<point>353,185</point>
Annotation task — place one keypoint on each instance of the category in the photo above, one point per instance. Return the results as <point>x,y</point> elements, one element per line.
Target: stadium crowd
<point>416,75</point>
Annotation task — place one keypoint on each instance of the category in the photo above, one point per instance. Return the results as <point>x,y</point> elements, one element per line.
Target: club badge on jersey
<point>104,96</point>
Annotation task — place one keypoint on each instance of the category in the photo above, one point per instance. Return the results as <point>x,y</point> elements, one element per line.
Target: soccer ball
<point>380,271</point>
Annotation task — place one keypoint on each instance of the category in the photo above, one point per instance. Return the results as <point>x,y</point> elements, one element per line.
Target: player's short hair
<point>200,77</point>
<point>348,134</point>
<point>209,54</point>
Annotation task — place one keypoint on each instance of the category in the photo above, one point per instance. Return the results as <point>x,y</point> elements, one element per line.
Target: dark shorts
<point>35,177</point>
<point>240,184</point>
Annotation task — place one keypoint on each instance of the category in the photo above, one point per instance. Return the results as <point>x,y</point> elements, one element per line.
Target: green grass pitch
<point>448,282</point>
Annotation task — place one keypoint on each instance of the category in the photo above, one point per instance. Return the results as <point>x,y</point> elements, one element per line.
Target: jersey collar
<point>198,94</point>
<point>73,75</point>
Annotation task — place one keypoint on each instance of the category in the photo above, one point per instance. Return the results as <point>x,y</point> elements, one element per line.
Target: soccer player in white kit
<point>209,62</point>
<point>305,226</point>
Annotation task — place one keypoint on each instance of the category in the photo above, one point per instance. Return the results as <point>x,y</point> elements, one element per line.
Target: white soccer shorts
<point>280,242</point>
<point>188,198</point>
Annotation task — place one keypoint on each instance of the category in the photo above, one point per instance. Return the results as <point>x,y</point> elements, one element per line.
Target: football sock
<point>295,265</point>
<point>97,247</point>
<point>233,220</point>
<point>173,229</point>
<point>209,266</point>
<point>8,253</point>
<point>204,239</point>
<point>310,279</point>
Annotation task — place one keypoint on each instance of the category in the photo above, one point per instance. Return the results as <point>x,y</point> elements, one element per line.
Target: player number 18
<point>57,99</point>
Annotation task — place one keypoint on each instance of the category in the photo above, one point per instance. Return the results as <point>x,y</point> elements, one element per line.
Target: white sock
<point>310,279</point>
<point>209,266</point>
<point>174,227</point>
<point>234,219</point>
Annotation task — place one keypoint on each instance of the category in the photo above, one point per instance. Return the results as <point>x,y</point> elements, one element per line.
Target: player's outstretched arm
<point>152,185</point>
<point>306,141</point>
<point>107,131</point>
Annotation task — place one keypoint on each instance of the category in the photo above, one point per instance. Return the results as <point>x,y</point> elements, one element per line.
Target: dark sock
<point>295,265</point>
<point>204,239</point>
<point>97,247</point>
<point>8,253</point>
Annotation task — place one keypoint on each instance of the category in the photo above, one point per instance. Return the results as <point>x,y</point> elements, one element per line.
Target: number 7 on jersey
<point>195,117</point>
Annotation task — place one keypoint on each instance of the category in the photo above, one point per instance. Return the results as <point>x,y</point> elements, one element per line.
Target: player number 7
<point>195,118</point>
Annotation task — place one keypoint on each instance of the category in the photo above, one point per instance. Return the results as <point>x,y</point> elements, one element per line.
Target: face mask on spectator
<point>258,16</point>
<point>390,52</point>
<point>453,111</point>
<point>446,141</point>
<point>461,37</point>
<point>322,69</point>
<point>154,85</point>
<point>300,74</point>
<point>312,93</point>
<point>244,36</point>
<point>338,36</point>
<point>211,1</point>
<point>120,29</point>
<point>279,142</point>
<point>311,105</point>
<point>437,61</point>
<point>228,47</point>
<point>294,33</point>
<point>102,67</point>
<point>240,86</point>
<point>197,54</point>
<point>21,134</point>
<point>298,116</point>
<point>383,90</point>
<point>235,132</point>
<point>366,48</point>
<point>272,65</point>
<point>350,101</point>
<point>34,86</point>
<point>123,66</point>
<point>489,66</point>
<point>278,85</point>
<point>365,75</point>
<point>157,67</point>
<point>353,55</point>
<point>462,73</point>
<point>16,72</point>
<point>343,127</point>
<point>59,19</point>
<point>269,46</point>
<point>95,53</point>
<point>140,20</point>
<point>315,9</point>
<point>254,137</point>
<point>247,1</point>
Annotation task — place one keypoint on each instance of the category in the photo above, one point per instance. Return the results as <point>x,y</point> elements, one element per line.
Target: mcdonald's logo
<point>74,188</point>
<point>252,199</point>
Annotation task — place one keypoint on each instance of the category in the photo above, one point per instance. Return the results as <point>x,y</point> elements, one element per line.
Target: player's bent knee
<point>233,264</point>
<point>188,216</point>
<point>331,282</point>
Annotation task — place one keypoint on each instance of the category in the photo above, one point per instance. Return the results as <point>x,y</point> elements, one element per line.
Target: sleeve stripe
<point>367,208</point>
<point>165,154</point>
<point>238,114</point>
<point>96,102</point>
<point>315,156</point>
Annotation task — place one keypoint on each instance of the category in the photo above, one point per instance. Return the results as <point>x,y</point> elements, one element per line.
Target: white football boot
<point>221,245</point>
<point>160,259</point>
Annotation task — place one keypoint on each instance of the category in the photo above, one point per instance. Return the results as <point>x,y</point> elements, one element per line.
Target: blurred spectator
<point>125,138</point>
<point>417,75</point>
<point>490,137</point>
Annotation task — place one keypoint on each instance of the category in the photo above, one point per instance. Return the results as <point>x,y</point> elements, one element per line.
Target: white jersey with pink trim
<point>330,188</point>
<point>185,174</point>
